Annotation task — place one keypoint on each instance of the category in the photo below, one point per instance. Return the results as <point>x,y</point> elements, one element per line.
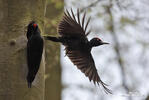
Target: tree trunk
<point>53,69</point>
<point>14,16</point>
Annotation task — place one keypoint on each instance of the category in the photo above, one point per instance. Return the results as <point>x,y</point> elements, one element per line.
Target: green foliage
<point>109,27</point>
<point>57,3</point>
<point>124,21</point>
<point>100,14</point>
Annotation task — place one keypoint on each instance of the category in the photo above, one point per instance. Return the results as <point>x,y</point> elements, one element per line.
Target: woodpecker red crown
<point>34,25</point>
<point>98,39</point>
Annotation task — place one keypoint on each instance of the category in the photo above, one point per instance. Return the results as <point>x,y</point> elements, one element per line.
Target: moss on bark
<point>14,17</point>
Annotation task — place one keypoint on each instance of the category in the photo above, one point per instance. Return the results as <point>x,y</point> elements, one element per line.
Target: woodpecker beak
<point>105,43</point>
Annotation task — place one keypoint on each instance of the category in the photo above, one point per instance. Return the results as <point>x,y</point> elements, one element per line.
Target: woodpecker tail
<point>30,79</point>
<point>54,39</point>
<point>29,85</point>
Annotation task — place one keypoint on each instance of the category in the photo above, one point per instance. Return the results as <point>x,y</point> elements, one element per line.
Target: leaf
<point>125,20</point>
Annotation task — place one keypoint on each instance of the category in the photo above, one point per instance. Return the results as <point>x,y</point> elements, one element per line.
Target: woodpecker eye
<point>34,25</point>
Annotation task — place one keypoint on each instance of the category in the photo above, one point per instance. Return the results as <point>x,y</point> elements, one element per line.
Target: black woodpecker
<point>34,51</point>
<point>73,36</point>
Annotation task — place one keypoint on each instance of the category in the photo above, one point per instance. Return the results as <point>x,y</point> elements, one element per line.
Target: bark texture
<point>14,17</point>
<point>53,89</point>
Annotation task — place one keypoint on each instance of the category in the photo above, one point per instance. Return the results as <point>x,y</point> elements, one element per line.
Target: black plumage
<point>73,36</point>
<point>34,51</point>
<point>30,29</point>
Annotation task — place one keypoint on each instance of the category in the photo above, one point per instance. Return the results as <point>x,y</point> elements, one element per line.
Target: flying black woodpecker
<point>34,51</point>
<point>73,36</point>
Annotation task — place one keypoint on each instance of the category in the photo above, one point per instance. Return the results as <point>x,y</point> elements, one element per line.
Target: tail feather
<point>30,79</point>
<point>105,87</point>
<point>29,85</point>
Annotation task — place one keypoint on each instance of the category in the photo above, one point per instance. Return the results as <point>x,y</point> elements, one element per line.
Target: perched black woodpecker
<point>73,36</point>
<point>34,51</point>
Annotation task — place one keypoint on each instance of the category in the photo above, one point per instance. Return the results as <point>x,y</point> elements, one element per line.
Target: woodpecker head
<point>96,42</point>
<point>31,28</point>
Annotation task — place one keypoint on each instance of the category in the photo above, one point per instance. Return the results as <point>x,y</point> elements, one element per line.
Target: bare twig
<point>90,5</point>
<point>117,50</point>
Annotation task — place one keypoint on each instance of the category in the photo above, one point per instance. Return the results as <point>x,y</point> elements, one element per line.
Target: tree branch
<point>90,5</point>
<point>117,49</point>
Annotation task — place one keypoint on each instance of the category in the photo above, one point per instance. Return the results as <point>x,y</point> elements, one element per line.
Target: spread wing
<point>85,62</point>
<point>70,26</point>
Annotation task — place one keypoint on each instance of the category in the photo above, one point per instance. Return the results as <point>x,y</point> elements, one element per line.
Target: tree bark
<point>15,15</point>
<point>53,70</point>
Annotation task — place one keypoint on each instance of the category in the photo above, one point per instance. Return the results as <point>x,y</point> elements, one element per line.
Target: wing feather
<point>75,33</point>
<point>85,62</point>
<point>69,26</point>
